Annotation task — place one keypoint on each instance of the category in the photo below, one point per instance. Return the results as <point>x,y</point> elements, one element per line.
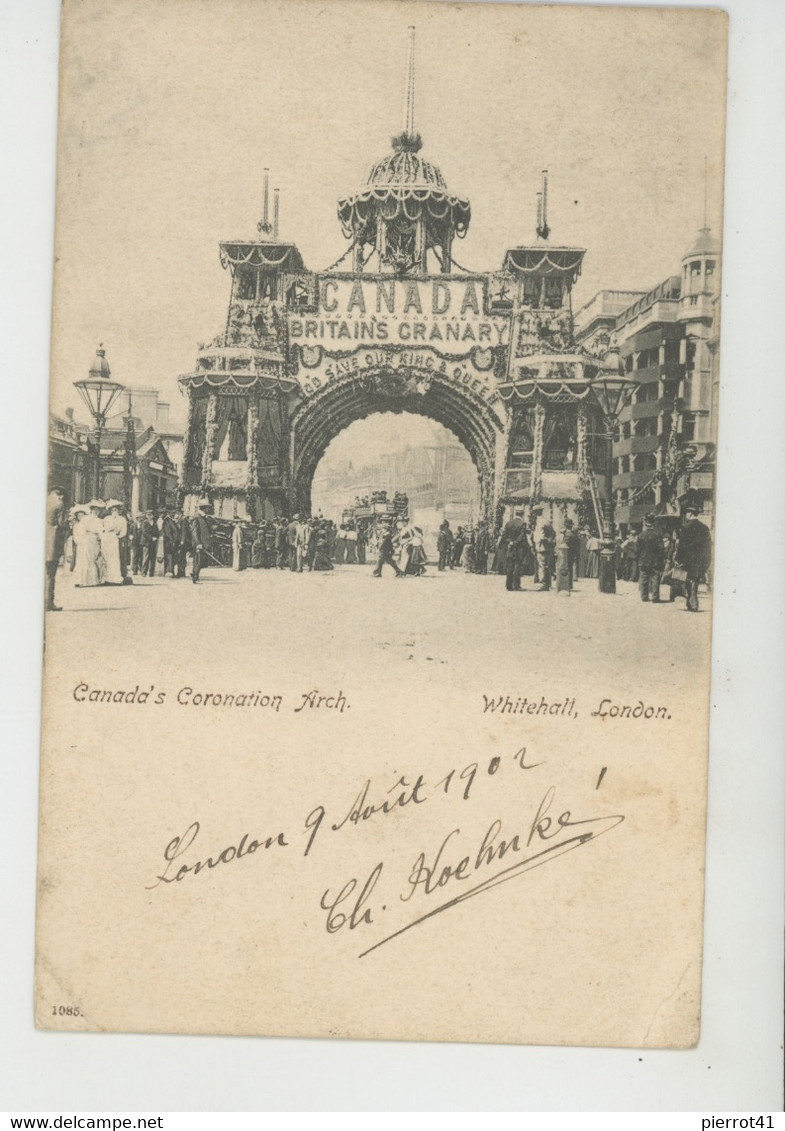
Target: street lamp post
<point>99,392</point>
<point>612,389</point>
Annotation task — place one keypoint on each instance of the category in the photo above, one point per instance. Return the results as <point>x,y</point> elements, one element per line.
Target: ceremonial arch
<point>395,325</point>
<point>408,387</point>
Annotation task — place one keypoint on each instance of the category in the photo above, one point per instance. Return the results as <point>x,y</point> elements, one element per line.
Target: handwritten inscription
<point>175,871</point>
<point>459,864</point>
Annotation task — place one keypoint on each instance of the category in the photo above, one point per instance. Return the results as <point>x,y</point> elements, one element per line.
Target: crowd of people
<point>101,544</point>
<point>306,544</point>
<point>679,558</point>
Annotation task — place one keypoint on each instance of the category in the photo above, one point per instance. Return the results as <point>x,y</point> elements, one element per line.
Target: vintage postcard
<point>379,536</point>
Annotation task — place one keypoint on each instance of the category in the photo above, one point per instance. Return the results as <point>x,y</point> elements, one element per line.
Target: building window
<point>246,285</point>
<point>553,297</point>
<point>646,426</point>
<point>531,290</point>
<point>232,440</point>
<point>688,427</point>
<point>647,392</point>
<point>645,461</point>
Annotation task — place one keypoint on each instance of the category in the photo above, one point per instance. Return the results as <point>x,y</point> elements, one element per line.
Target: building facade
<point>664,450</point>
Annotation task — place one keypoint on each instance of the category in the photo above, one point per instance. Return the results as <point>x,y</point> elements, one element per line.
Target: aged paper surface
<point>313,801</point>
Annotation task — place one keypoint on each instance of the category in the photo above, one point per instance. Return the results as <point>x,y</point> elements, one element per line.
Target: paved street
<point>451,625</point>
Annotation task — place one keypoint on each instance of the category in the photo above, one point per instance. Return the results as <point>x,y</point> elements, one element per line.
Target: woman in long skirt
<point>322,559</point>
<point>413,557</point>
<point>115,527</point>
<point>258,553</point>
<point>237,546</point>
<point>90,564</point>
<point>339,546</point>
<point>351,546</point>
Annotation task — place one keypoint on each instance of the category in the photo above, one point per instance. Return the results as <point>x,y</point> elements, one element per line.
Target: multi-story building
<point>667,337</point>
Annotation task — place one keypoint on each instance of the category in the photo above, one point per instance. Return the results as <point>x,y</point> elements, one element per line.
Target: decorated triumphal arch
<point>395,325</point>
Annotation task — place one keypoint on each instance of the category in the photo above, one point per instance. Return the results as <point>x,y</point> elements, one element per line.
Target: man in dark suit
<point>513,540</point>
<point>147,534</point>
<point>444,544</point>
<point>171,537</point>
<point>55,540</point>
<point>201,539</point>
<point>693,554</point>
<point>386,554</point>
<point>651,558</point>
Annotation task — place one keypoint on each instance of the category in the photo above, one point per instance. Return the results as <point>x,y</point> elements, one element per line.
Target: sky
<point>170,112</point>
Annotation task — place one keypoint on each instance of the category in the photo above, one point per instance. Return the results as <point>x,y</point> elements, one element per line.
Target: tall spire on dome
<point>408,94</point>
<point>408,140</point>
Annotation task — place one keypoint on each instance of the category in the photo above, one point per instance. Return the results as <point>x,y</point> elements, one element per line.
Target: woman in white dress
<point>237,546</point>
<point>115,527</point>
<point>90,565</point>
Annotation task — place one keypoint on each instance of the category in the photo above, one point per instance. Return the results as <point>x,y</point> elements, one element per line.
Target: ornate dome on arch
<point>403,186</point>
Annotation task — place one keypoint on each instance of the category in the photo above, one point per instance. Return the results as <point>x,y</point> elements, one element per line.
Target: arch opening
<point>385,454</point>
<point>339,405</point>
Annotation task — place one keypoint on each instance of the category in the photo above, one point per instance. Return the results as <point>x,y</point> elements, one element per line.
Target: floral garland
<point>189,441</point>
<point>253,442</point>
<point>539,422</point>
<point>582,453</point>
<point>211,433</point>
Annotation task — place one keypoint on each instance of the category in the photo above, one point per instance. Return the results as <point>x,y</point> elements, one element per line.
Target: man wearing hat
<point>386,553</point>
<point>147,534</point>
<point>651,559</point>
<point>292,534</point>
<point>55,540</point>
<point>513,539</point>
<point>201,538</point>
<point>544,538</point>
<point>171,539</point>
<point>693,554</point>
<point>444,545</point>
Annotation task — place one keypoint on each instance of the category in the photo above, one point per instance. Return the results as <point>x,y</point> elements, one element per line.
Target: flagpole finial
<point>543,231</point>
